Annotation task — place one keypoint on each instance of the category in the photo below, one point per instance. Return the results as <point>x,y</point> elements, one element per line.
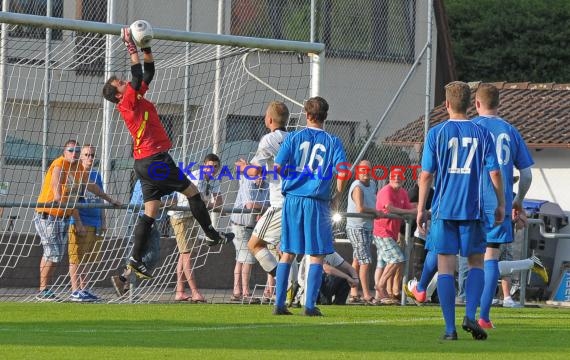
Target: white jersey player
<point>268,228</point>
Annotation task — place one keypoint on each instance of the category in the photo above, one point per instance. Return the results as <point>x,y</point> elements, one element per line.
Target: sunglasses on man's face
<point>76,149</point>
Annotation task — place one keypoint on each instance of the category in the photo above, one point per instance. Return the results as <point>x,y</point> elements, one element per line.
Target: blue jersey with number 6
<point>308,158</point>
<point>459,151</point>
<point>511,152</point>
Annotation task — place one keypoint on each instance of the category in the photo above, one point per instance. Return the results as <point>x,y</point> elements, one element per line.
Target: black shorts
<point>159,176</point>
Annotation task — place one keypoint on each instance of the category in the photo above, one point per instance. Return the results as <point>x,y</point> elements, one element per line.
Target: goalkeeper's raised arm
<point>138,76</point>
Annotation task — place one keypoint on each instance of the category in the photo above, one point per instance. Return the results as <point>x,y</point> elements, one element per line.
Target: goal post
<point>50,93</point>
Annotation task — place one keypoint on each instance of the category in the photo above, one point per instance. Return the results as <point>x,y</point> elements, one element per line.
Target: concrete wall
<point>217,273</point>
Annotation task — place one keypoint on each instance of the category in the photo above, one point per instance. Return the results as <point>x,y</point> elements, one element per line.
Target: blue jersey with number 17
<point>511,152</point>
<point>459,151</point>
<point>308,158</point>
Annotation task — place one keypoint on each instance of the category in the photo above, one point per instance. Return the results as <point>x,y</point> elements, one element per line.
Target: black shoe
<point>313,312</point>
<point>218,238</point>
<point>139,268</point>
<point>281,310</point>
<point>473,327</point>
<point>452,336</point>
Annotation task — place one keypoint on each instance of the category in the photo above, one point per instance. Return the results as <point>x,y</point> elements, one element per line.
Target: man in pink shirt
<point>391,199</point>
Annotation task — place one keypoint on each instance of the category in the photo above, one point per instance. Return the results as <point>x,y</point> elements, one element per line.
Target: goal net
<point>210,98</point>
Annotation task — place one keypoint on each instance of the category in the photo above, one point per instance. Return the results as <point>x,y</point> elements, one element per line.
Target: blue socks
<point>428,272</point>
<point>314,280</point>
<point>446,294</point>
<point>490,287</point>
<point>473,289</point>
<point>281,281</point>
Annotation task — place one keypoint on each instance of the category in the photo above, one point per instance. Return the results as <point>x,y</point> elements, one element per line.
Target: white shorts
<point>242,235</point>
<point>268,228</point>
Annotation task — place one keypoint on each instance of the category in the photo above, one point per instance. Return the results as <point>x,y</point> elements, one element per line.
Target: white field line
<point>220,328</point>
<point>183,328</point>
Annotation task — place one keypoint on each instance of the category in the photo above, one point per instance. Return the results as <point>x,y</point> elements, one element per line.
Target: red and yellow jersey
<point>143,123</point>
<point>72,185</point>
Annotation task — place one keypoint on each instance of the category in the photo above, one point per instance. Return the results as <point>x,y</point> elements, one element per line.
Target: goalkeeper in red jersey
<point>155,168</point>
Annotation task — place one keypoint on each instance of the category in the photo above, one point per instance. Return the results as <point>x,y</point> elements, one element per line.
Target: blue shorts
<point>500,234</point>
<point>306,226</point>
<point>450,237</point>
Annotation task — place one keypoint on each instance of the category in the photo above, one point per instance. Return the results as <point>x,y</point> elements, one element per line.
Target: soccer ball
<point>141,33</point>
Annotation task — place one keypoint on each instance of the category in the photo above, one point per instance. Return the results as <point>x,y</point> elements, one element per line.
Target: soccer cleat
<point>452,336</point>
<point>139,268</point>
<point>510,303</point>
<point>486,324</point>
<point>471,326</point>
<point>411,283</point>
<point>281,310</point>
<point>539,269</point>
<point>118,285</point>
<point>411,289</point>
<point>514,288</point>
<point>218,238</point>
<point>46,295</point>
<point>312,312</point>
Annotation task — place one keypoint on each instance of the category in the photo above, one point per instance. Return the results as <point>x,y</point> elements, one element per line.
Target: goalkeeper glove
<point>127,39</point>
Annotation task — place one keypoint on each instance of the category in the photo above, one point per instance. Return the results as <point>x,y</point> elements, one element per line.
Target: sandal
<point>388,301</point>
<point>198,301</point>
<point>355,300</point>
<point>370,301</point>
<point>184,297</point>
<point>236,297</point>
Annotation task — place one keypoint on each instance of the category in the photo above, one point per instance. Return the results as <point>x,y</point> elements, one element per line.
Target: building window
<point>90,47</point>
<point>35,7</point>
<point>244,127</point>
<point>358,29</point>
<point>172,125</point>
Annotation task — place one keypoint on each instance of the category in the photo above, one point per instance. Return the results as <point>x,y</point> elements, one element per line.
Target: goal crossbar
<point>162,34</point>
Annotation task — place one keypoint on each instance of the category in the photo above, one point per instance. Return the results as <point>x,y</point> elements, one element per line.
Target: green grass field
<point>177,331</point>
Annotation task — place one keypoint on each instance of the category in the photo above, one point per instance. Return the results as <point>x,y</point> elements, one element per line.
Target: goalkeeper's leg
<point>202,216</point>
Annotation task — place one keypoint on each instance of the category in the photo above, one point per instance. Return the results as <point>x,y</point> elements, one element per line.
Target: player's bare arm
<point>424,184</point>
<point>497,180</point>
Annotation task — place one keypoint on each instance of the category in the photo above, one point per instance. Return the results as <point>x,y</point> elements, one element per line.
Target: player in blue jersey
<point>306,161</point>
<point>511,152</point>
<point>458,152</point>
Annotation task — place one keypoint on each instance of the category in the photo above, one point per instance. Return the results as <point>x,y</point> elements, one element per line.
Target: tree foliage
<point>510,40</point>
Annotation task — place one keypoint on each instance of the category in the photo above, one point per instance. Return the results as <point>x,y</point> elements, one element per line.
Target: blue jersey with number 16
<point>308,158</point>
<point>511,152</point>
<point>459,151</point>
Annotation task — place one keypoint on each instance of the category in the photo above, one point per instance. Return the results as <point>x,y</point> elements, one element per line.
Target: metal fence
<point>377,71</point>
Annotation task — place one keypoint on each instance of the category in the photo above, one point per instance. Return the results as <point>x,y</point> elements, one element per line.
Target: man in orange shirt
<point>64,183</point>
